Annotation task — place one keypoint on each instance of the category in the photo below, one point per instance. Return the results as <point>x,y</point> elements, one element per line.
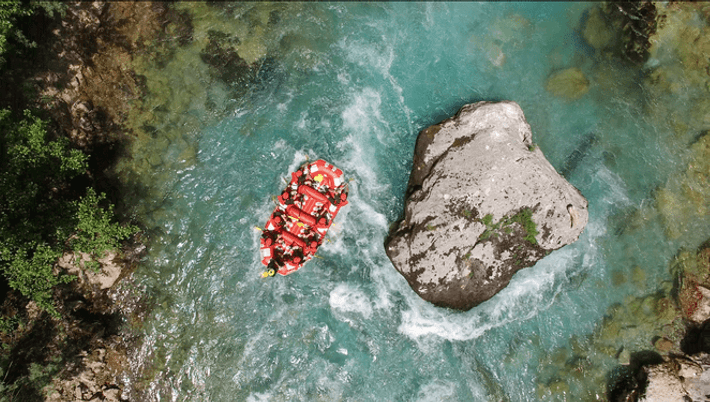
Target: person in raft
<point>272,268</point>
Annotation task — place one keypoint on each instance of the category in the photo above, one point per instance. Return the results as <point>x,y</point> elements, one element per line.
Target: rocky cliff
<point>481,204</point>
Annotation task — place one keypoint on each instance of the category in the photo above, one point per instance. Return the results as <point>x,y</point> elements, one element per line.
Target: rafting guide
<point>304,212</point>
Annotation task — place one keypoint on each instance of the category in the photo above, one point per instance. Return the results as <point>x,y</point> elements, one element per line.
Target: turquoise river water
<point>355,87</point>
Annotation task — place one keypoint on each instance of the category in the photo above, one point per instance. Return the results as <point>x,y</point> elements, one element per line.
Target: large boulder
<point>481,204</point>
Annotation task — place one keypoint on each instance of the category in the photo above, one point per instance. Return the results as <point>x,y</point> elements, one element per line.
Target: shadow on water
<point>45,347</point>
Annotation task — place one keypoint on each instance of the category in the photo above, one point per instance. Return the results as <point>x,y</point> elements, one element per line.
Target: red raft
<point>305,211</point>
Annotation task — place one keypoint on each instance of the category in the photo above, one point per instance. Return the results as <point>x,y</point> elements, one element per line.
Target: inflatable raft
<point>303,214</point>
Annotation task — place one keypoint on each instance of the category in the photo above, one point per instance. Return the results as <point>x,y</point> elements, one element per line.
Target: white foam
<point>299,157</point>
<point>528,293</point>
<point>387,282</point>
<point>362,167</point>
<point>358,117</point>
<point>616,193</point>
<point>368,54</point>
<point>301,123</point>
<point>259,397</point>
<point>380,57</point>
<point>344,78</point>
<point>358,123</point>
<point>437,391</point>
<point>347,299</point>
<point>279,145</point>
<point>372,217</point>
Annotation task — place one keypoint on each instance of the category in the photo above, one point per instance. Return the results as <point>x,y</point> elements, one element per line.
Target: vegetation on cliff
<point>12,37</point>
<point>50,207</point>
<point>40,217</point>
<point>47,204</point>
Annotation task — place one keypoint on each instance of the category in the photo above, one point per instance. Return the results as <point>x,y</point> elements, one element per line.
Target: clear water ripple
<point>348,327</point>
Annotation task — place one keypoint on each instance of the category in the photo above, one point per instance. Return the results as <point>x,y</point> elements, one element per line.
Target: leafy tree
<point>96,230</point>
<point>32,169</point>
<point>11,11</point>
<point>38,218</point>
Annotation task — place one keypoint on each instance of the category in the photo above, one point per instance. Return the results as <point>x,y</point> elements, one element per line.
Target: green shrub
<point>29,270</point>
<point>9,12</point>
<point>38,381</point>
<point>13,10</point>
<point>31,215</point>
<point>8,324</point>
<point>38,221</point>
<point>96,231</point>
<point>523,217</point>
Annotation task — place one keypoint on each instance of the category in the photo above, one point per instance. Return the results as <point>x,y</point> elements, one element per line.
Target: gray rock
<point>112,395</point>
<point>679,378</point>
<point>481,204</point>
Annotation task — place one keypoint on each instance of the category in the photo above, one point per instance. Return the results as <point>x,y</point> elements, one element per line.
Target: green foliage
<point>8,324</point>
<point>31,216</point>
<point>487,220</point>
<point>29,386</point>
<point>9,12</point>
<point>490,227</point>
<point>37,221</point>
<point>29,270</point>
<point>13,10</point>
<point>96,229</point>
<point>523,218</point>
<point>33,169</point>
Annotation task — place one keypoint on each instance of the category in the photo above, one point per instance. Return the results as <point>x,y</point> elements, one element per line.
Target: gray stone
<point>474,178</point>
<point>112,395</point>
<point>678,378</point>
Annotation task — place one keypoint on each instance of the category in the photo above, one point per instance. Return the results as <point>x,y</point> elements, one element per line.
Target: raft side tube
<point>313,193</point>
<point>292,238</point>
<point>296,212</point>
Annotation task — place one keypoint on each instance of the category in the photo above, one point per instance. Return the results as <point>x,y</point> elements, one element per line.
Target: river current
<point>354,83</point>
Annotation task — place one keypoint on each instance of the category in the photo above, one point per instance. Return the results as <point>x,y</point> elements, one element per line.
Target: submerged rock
<point>569,84</point>
<point>482,203</point>
<point>685,200</point>
<point>639,21</point>
<point>596,30</point>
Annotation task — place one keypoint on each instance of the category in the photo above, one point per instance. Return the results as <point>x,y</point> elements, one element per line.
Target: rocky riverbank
<point>131,83</point>
<point>682,372</point>
<point>677,366</point>
<point>652,345</point>
<point>81,79</point>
